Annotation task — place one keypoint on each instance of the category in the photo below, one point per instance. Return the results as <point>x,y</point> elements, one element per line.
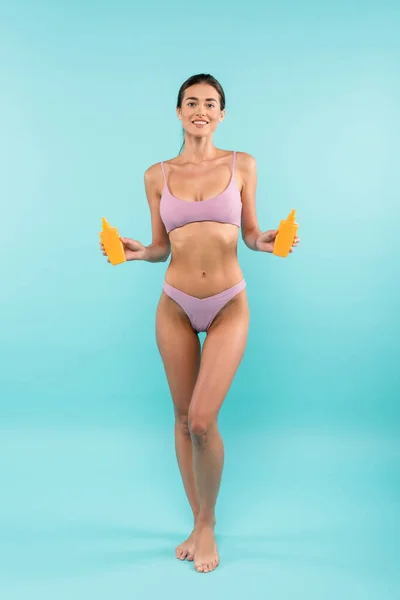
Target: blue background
<point>91,499</point>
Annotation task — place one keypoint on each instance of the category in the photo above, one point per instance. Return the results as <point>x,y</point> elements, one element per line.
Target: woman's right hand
<point>133,249</point>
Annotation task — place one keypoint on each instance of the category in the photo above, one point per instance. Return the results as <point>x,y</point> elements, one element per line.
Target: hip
<point>203,283</point>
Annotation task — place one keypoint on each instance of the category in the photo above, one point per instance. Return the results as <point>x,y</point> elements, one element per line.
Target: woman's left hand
<point>266,240</point>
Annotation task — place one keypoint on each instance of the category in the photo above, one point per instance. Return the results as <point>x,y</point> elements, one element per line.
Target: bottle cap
<point>292,216</point>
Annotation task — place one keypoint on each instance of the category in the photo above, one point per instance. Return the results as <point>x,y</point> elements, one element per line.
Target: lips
<point>199,122</point>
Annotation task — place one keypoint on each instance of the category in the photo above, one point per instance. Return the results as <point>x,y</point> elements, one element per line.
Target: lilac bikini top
<point>224,208</point>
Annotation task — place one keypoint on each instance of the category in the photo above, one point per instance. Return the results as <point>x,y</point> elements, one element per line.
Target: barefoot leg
<point>222,353</point>
<point>179,347</point>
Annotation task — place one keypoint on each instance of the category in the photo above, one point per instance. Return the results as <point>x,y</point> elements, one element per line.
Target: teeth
<point>200,122</point>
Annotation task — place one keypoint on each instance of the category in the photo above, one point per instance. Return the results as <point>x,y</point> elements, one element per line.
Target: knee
<point>198,428</point>
<point>182,423</point>
<point>199,425</point>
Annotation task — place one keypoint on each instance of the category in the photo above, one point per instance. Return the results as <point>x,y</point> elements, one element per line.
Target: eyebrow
<point>207,99</point>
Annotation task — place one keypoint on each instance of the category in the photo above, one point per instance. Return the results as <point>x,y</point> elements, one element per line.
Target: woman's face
<point>200,112</point>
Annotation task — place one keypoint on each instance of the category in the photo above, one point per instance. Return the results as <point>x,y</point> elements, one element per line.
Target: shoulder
<point>154,179</point>
<point>247,167</point>
<point>152,173</point>
<point>246,162</point>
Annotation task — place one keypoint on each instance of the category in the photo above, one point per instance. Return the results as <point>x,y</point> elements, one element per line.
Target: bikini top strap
<point>233,164</point>
<point>163,172</point>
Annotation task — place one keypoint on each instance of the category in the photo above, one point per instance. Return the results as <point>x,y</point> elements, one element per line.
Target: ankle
<point>205,521</point>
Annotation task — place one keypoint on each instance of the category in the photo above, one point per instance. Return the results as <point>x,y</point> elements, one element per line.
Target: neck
<point>197,150</point>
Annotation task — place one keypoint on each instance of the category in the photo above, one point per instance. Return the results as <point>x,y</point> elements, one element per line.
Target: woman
<point>198,201</point>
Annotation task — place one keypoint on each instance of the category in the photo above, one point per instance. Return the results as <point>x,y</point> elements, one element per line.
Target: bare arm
<point>250,230</point>
<point>252,236</point>
<point>160,247</point>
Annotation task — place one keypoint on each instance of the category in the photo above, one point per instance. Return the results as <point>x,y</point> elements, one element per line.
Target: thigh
<point>223,350</point>
<point>179,346</point>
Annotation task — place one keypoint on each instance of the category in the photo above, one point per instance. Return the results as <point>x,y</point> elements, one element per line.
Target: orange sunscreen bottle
<point>286,233</point>
<point>112,244</point>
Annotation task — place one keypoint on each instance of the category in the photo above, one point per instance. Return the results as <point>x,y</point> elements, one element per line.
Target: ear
<point>179,113</point>
<point>222,116</point>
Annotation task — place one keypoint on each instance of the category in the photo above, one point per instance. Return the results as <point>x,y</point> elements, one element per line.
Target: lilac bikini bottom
<point>202,311</point>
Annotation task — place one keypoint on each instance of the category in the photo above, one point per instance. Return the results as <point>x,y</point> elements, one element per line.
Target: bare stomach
<point>204,258</point>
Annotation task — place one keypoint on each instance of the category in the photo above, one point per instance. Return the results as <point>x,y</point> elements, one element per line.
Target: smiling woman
<point>198,202</point>
<point>215,103</point>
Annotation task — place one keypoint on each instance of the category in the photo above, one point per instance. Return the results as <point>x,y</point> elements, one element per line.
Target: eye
<point>190,103</point>
<point>211,105</point>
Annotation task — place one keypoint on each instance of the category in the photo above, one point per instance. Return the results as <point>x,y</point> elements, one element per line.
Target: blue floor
<point>96,513</point>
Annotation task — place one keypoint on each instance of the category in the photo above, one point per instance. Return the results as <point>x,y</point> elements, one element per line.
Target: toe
<point>190,556</point>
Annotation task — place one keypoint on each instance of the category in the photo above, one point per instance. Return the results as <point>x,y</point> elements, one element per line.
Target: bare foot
<point>206,557</point>
<point>186,549</point>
